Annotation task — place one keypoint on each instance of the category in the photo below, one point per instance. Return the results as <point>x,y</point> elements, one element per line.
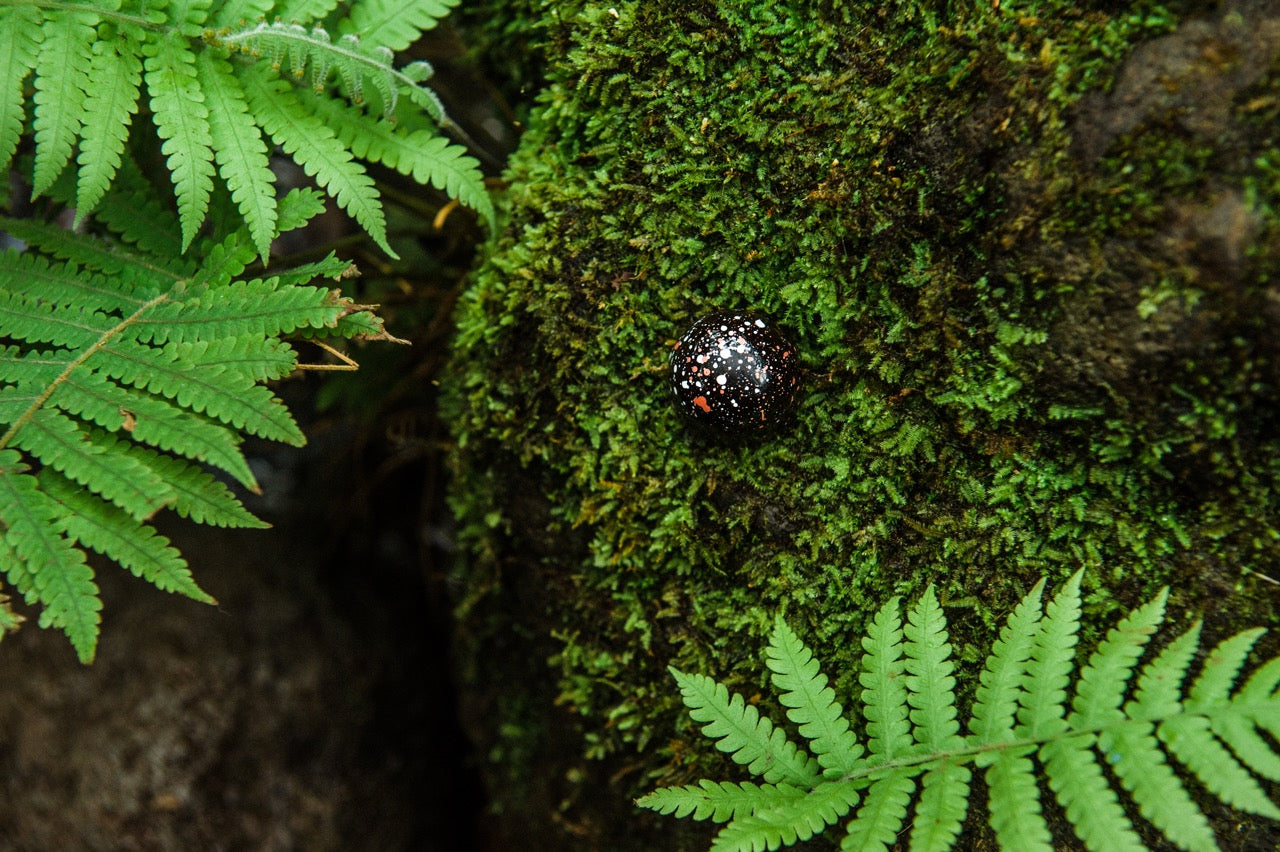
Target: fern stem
<point>74,364</point>
<point>964,754</point>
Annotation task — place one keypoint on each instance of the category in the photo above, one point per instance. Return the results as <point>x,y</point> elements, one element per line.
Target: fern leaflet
<point>1021,710</point>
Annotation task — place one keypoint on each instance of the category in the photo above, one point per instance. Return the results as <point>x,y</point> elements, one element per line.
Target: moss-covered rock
<point>1030,254</point>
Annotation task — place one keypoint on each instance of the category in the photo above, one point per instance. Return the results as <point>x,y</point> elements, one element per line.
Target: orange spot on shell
<point>701,402</point>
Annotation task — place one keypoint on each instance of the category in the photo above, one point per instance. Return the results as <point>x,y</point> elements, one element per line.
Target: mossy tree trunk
<point>1030,255</point>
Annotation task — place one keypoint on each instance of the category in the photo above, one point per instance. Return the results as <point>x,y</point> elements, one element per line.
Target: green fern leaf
<point>298,207</point>
<point>813,706</point>
<point>1160,682</point>
<point>884,694</point>
<point>1102,683</point>
<point>395,24</point>
<point>152,421</point>
<point>789,821</point>
<point>131,279</point>
<point>944,800</point>
<point>426,157</point>
<point>138,547</point>
<point>255,308</point>
<point>56,286</point>
<point>226,396</point>
<point>1215,734</point>
<point>1049,670</point>
<point>1221,668</point>
<point>331,267</point>
<point>258,359</point>
<point>49,569</point>
<point>18,52</point>
<point>95,461</point>
<point>1190,740</point>
<point>116,73</point>
<point>1014,801</point>
<point>739,729</point>
<point>239,149</point>
<point>61,80</point>
<point>930,686</point>
<point>199,497</point>
<point>1090,804</point>
<point>1000,684</point>
<point>1135,756</point>
<point>182,120</point>
<point>34,321</point>
<point>884,809</point>
<point>317,149</point>
<point>719,802</point>
<point>114,409</point>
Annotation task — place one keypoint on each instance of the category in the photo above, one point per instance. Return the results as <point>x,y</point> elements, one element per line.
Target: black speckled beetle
<point>731,370</point>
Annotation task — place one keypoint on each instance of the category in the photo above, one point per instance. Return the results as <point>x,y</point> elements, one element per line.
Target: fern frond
<point>292,49</point>
<point>395,24</point>
<point>131,278</point>
<point>116,74</point>
<point>18,52</point>
<point>317,150</point>
<point>239,149</point>
<point>429,159</point>
<point>1103,681</point>
<point>61,81</point>
<point>739,729</point>
<point>259,359</point>
<point>812,704</point>
<point>182,120</point>
<point>1219,733</point>
<point>331,267</point>
<point>119,376</point>
<point>151,421</point>
<point>1135,756</point>
<point>1089,802</point>
<point>55,286</point>
<point>1190,740</point>
<point>1014,801</point>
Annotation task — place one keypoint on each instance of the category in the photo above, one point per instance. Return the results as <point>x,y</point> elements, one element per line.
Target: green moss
<point>906,192</point>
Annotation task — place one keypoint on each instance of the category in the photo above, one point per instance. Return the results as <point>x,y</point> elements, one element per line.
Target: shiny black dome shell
<point>734,372</point>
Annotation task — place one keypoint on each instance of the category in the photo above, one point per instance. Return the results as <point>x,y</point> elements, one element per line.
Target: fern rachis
<point>1021,726</point>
